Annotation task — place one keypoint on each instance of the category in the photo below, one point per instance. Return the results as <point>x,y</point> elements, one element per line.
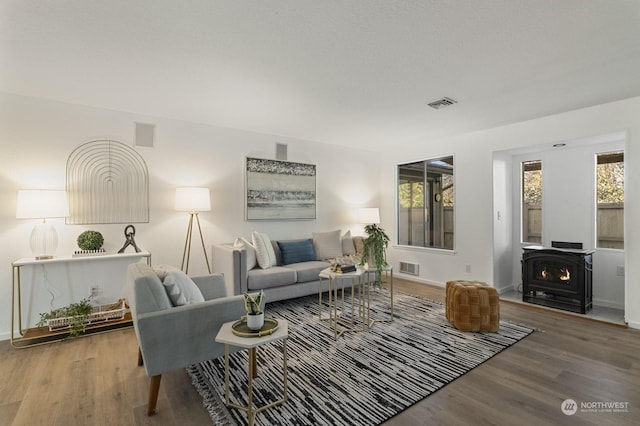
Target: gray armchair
<point>174,337</point>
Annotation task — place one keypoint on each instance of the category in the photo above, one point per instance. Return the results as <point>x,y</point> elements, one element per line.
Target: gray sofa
<point>281,281</point>
<point>169,336</point>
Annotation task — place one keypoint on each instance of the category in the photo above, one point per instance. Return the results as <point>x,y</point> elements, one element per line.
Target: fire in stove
<point>562,274</point>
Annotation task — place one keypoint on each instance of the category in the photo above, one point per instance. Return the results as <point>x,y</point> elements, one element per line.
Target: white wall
<point>474,161</point>
<point>37,136</point>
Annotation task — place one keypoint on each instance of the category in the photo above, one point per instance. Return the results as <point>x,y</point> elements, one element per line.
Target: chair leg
<point>154,388</point>
<point>140,360</point>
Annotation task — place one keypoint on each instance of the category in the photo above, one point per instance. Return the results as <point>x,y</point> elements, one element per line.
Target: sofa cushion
<point>181,289</point>
<point>272,277</point>
<point>296,251</point>
<point>243,243</point>
<point>308,271</point>
<point>348,247</point>
<point>265,255</point>
<point>327,245</point>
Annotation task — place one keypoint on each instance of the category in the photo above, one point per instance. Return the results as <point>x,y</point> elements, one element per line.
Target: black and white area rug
<point>363,378</point>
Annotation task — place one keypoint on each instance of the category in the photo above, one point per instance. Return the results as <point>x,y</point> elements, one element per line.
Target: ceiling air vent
<point>442,103</point>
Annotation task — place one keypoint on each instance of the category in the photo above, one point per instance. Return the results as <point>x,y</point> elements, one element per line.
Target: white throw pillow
<point>251,251</point>
<point>348,247</point>
<point>327,245</point>
<point>181,289</point>
<point>265,255</point>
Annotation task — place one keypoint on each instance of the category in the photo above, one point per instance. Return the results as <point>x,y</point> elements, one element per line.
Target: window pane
<point>610,200</point>
<point>426,203</point>
<point>532,201</point>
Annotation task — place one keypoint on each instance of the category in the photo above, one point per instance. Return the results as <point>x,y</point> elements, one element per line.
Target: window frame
<point>521,196</point>
<point>596,236</point>
<point>427,195</point>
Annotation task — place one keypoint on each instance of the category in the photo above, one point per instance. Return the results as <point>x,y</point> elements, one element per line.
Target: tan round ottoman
<point>472,306</point>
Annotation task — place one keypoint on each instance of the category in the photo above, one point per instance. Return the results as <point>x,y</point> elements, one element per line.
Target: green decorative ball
<point>90,240</point>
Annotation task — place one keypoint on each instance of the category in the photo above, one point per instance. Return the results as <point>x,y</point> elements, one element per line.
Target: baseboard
<point>633,324</point>
<point>608,304</point>
<point>413,278</point>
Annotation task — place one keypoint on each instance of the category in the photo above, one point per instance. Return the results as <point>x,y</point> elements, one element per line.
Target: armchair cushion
<point>181,289</point>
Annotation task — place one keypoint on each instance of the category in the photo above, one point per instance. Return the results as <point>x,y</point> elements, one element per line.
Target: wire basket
<point>103,313</point>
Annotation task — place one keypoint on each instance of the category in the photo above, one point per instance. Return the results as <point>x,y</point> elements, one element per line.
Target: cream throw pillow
<point>327,245</point>
<point>251,251</point>
<point>265,255</point>
<point>348,248</point>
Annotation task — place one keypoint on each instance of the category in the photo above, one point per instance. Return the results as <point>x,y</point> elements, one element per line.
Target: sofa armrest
<point>184,335</point>
<point>232,263</point>
<point>211,286</point>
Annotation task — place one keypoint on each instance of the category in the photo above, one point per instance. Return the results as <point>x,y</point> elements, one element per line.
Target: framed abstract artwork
<point>280,190</point>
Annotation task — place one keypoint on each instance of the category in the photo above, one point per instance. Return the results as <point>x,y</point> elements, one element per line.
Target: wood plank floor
<point>94,380</point>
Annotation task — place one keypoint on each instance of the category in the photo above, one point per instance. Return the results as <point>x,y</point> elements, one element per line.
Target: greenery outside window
<point>610,200</point>
<point>531,201</point>
<point>426,203</point>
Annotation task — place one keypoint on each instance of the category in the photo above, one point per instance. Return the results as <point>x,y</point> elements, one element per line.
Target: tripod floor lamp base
<point>187,244</point>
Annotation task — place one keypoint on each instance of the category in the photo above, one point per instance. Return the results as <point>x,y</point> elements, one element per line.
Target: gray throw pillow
<point>181,289</point>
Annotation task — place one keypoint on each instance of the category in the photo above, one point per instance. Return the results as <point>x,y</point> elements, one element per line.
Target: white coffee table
<point>226,336</point>
<point>355,279</point>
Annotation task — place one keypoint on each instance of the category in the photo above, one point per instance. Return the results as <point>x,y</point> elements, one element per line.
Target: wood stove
<point>558,277</point>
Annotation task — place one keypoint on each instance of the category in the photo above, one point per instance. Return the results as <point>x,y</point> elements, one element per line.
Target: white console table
<point>36,336</point>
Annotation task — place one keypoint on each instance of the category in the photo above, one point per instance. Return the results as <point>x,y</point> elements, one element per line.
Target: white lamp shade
<point>369,215</point>
<point>42,204</point>
<point>189,199</point>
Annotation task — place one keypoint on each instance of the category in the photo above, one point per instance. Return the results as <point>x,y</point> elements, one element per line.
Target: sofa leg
<point>154,388</point>
<point>140,360</point>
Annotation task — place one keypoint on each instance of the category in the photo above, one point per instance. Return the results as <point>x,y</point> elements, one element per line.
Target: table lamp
<point>42,204</point>
<point>192,200</point>
<point>369,215</point>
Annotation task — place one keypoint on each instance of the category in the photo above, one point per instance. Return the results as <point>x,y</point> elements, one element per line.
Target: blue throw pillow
<point>296,251</point>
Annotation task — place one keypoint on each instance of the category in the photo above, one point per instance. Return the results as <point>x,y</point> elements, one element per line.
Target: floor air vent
<point>409,268</point>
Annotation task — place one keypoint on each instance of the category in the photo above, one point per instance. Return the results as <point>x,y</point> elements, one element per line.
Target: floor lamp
<point>193,200</point>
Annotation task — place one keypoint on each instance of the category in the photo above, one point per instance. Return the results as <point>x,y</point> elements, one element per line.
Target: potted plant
<point>73,316</point>
<point>374,248</point>
<point>255,315</point>
<point>90,240</point>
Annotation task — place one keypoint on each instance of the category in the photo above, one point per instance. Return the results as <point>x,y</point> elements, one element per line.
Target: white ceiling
<point>347,72</point>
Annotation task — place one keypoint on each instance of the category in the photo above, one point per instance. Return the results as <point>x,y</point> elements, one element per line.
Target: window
<point>610,200</point>
<point>426,203</point>
<point>532,201</point>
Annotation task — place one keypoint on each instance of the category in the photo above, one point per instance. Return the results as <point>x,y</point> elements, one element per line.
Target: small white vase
<point>255,321</point>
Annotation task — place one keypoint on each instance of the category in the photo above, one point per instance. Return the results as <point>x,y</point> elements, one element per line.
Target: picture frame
<point>279,190</point>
